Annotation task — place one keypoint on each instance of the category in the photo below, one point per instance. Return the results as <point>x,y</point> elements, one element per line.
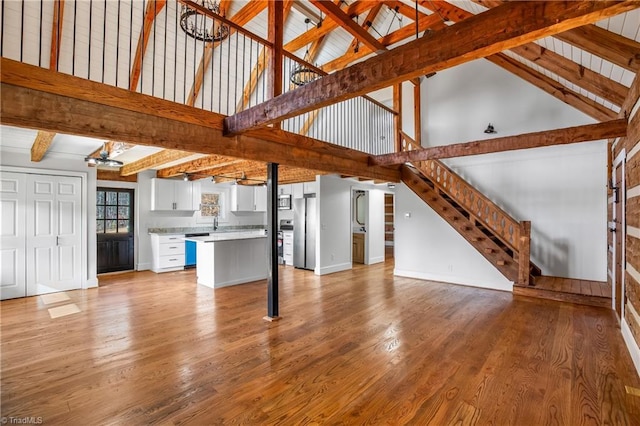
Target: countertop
<point>228,236</point>
<point>205,229</point>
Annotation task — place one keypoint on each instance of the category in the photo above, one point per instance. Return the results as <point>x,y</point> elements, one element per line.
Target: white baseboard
<point>237,282</point>
<point>333,268</point>
<point>143,266</point>
<point>378,259</point>
<point>91,283</point>
<point>632,346</point>
<point>451,279</point>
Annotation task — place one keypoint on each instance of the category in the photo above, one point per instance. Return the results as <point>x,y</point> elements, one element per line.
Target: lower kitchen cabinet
<point>168,252</point>
<point>287,247</point>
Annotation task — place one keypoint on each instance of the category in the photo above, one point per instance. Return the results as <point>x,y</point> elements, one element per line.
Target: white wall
<point>334,240</point>
<point>65,163</point>
<point>560,189</point>
<point>374,252</point>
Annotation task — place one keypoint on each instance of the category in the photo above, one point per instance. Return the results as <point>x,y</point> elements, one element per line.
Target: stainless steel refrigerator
<point>304,232</point>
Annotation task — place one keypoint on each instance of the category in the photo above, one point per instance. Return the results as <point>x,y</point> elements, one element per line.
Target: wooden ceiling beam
<point>507,26</point>
<point>571,71</point>
<point>198,165</point>
<point>429,22</point>
<point>612,47</point>
<point>576,100</point>
<point>346,22</point>
<point>328,25</point>
<point>605,44</point>
<point>590,132</point>
<point>77,106</point>
<point>152,161</point>
<point>114,175</point>
<point>366,24</point>
<point>41,144</point>
<point>152,10</point>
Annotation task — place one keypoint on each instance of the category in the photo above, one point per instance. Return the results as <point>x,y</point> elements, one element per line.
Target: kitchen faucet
<point>215,223</point>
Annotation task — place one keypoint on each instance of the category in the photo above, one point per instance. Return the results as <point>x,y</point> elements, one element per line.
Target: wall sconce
<point>185,177</point>
<point>490,129</point>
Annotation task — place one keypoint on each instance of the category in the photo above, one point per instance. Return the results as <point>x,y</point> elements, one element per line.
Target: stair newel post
<point>524,254</point>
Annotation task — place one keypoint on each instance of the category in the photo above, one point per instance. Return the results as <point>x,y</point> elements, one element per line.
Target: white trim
<point>87,282</point>
<point>332,268</point>
<point>452,279</point>
<point>143,266</point>
<point>620,160</point>
<point>614,144</point>
<point>633,272</point>
<point>634,151</point>
<point>633,231</point>
<point>632,346</point>
<point>377,259</point>
<point>633,192</point>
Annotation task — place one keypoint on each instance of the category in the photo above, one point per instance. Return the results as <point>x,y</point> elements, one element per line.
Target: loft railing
<point>515,235</point>
<point>142,46</point>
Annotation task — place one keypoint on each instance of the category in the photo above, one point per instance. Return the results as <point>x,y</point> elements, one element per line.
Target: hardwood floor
<point>356,347</point>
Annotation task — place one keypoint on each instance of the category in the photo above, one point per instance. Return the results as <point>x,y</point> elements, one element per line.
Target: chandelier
<point>301,75</point>
<point>103,159</point>
<point>197,25</point>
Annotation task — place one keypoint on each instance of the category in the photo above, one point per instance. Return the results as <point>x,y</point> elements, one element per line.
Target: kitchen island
<point>230,258</point>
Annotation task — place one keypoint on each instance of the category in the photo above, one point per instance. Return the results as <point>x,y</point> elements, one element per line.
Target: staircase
<point>502,240</point>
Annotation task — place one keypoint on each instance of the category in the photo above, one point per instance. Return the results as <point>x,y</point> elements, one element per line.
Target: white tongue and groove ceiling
<point>334,45</point>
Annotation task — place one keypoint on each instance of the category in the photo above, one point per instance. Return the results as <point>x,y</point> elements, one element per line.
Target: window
<point>210,204</point>
<point>113,211</point>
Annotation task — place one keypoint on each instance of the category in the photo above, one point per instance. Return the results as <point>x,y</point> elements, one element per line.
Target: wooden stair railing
<point>511,237</point>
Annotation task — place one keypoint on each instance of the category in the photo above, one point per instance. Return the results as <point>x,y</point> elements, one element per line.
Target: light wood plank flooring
<point>357,347</point>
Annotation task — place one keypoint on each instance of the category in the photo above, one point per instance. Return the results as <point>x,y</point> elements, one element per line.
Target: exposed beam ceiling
<point>82,107</point>
<point>504,27</point>
<point>154,160</point>
<point>595,40</point>
<point>114,175</point>
<point>198,165</point>
<point>41,145</point>
<point>334,12</point>
<point>590,132</point>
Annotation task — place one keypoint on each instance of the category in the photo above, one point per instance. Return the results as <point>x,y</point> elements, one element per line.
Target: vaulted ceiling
<point>590,68</point>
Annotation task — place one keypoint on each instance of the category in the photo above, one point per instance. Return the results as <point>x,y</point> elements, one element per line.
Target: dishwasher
<point>190,250</point>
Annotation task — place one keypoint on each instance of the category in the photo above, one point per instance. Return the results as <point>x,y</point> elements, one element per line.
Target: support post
<point>417,119</point>
<point>272,242</point>
<point>397,119</point>
<point>524,254</point>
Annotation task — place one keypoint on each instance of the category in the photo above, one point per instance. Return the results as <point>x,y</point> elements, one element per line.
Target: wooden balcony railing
<point>482,209</point>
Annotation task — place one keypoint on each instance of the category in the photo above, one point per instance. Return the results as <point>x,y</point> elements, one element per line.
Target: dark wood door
<point>114,226</point>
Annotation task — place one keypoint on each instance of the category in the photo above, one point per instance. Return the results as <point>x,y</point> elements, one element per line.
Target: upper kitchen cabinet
<point>248,198</point>
<point>170,194</point>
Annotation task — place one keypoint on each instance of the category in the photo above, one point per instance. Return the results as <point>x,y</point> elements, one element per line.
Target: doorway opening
<point>115,231</point>
<point>618,179</point>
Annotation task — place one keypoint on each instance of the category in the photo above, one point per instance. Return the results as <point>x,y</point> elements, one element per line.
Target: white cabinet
<point>168,252</point>
<point>297,190</point>
<point>248,198</point>
<point>287,247</point>
<point>169,194</point>
<point>260,198</point>
<point>309,187</point>
<point>284,189</point>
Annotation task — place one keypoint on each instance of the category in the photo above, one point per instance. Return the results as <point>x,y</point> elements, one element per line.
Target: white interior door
<point>12,235</point>
<point>53,232</point>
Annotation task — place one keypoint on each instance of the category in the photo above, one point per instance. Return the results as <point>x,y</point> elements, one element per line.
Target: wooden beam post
<point>417,116</point>
<point>273,311</point>
<point>276,34</point>
<point>524,254</point>
<point>397,119</point>
<point>56,33</point>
